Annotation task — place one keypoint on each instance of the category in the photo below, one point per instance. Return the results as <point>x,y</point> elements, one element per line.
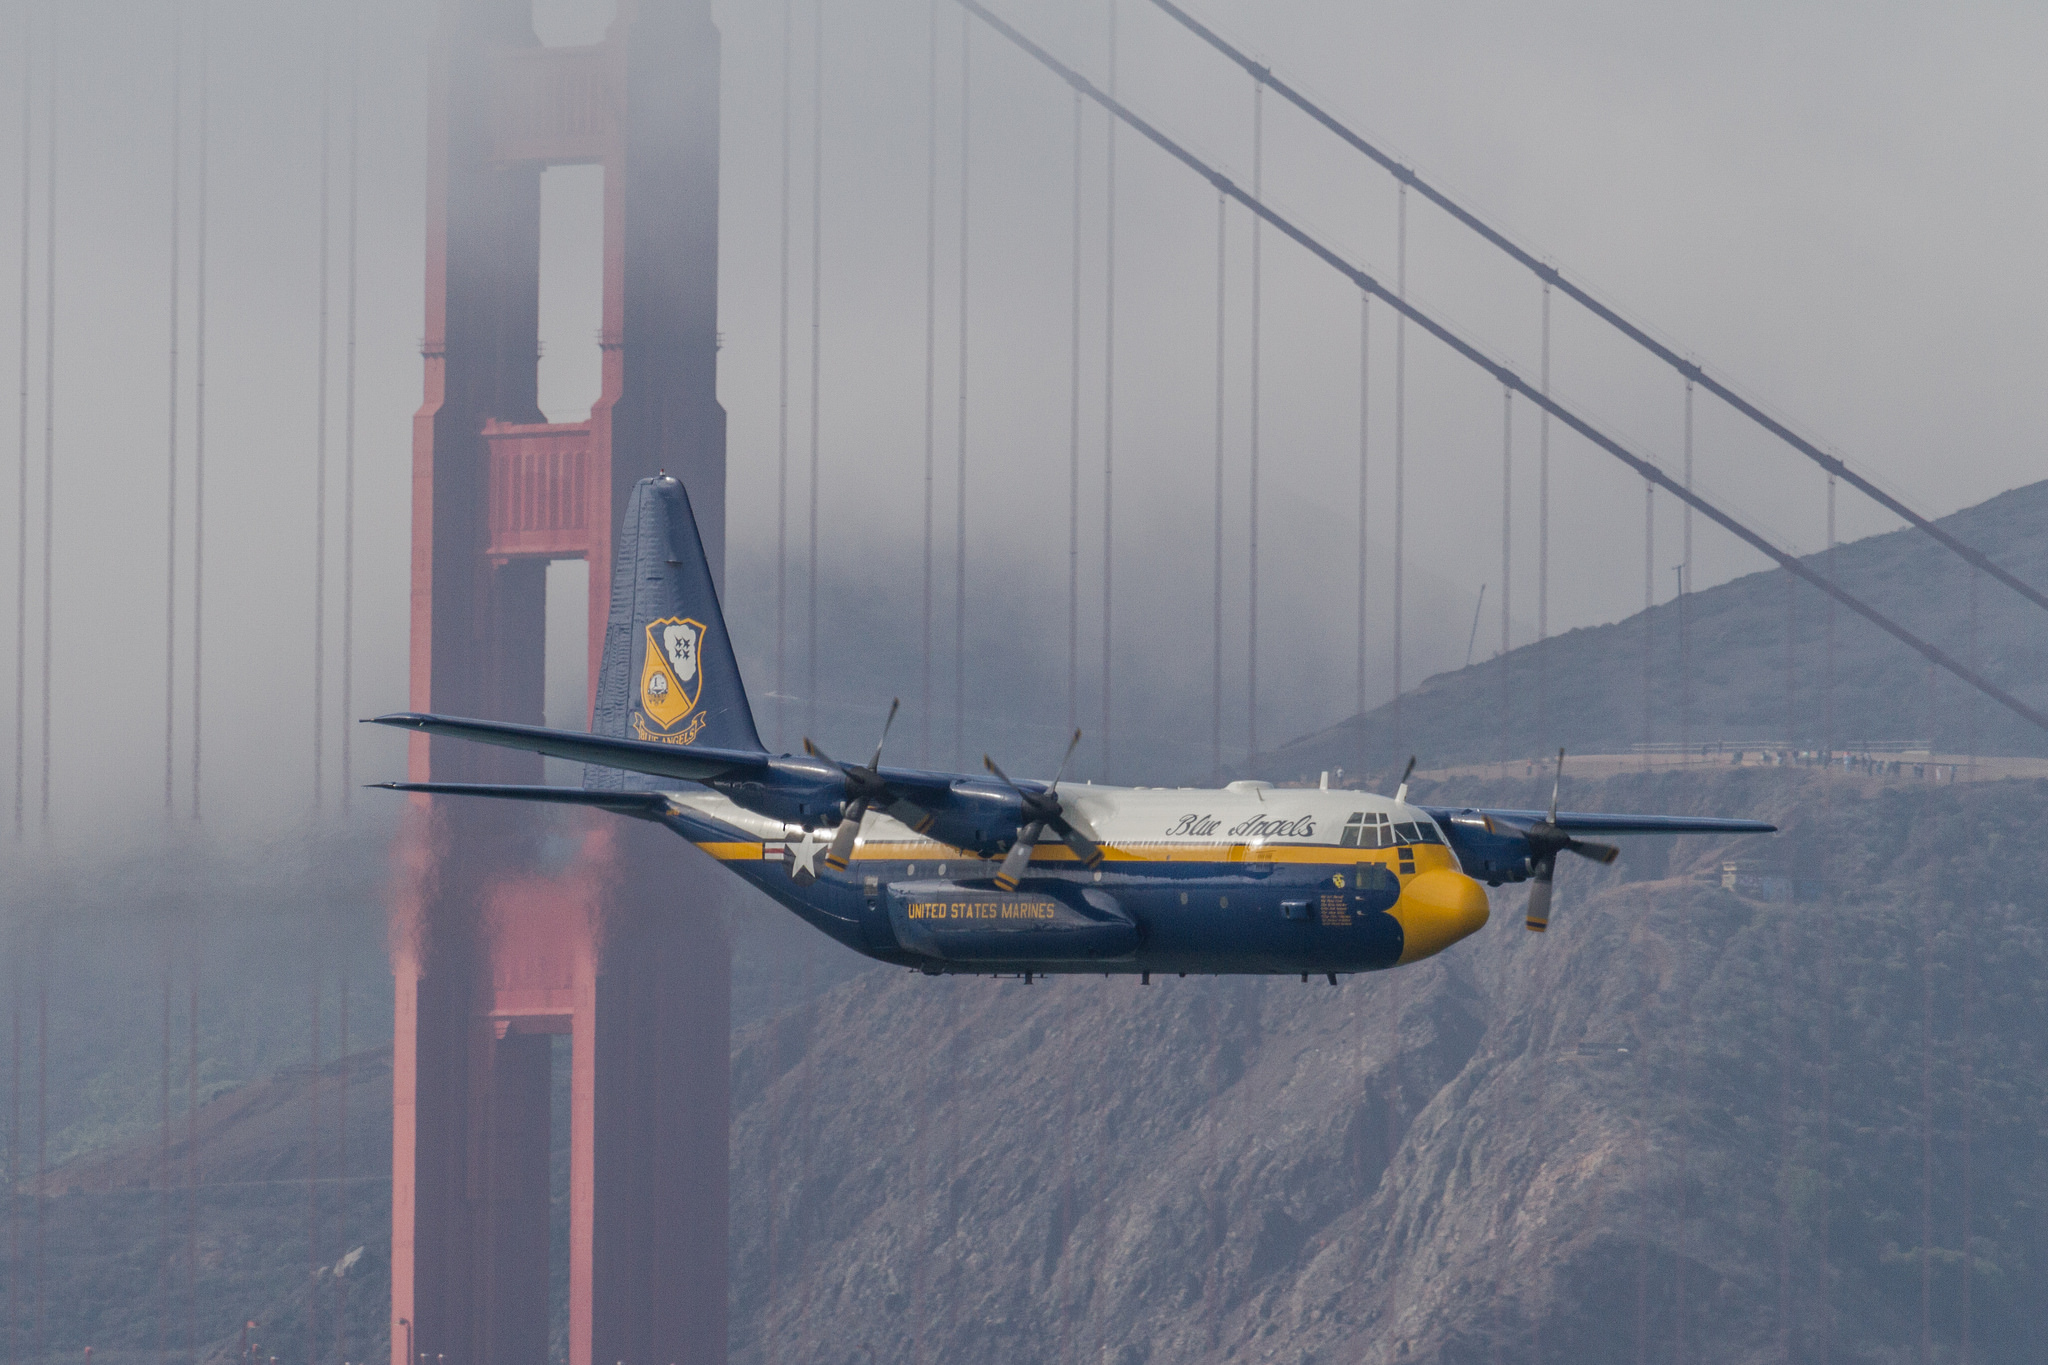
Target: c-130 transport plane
<point>961,873</point>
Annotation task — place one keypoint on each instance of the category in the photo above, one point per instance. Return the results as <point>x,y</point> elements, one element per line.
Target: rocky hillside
<point>1683,1125</point>
<point>1757,654</point>
<point>1687,1124</point>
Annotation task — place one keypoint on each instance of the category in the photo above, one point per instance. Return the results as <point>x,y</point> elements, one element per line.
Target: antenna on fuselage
<point>1401,792</point>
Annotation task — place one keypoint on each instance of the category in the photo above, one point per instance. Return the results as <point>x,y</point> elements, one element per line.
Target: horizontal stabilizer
<point>689,763</point>
<point>1581,822</point>
<point>645,805</point>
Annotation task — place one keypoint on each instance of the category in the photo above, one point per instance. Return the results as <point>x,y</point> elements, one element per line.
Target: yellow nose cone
<point>1436,909</point>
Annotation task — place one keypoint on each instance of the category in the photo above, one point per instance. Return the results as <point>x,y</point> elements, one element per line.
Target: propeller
<point>1546,841</point>
<point>1042,811</point>
<point>865,786</point>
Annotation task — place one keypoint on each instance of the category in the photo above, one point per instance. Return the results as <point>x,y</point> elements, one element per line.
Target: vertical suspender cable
<point>960,471</point>
<point>199,400</point>
<point>1649,600</point>
<point>1507,494</point>
<point>1216,547</point>
<point>341,1168</point>
<point>14,1169</point>
<point>1074,445</point>
<point>1926,1139</point>
<point>313,1184</point>
<point>1400,435</point>
<point>192,1141</point>
<point>1684,599</point>
<point>40,1334</point>
<point>21,490</point>
<point>931,363</point>
<point>1364,412</point>
<point>1543,542</point>
<point>41,1145</point>
<point>1828,662</point>
<point>162,1180</point>
<point>817,351</point>
<point>782,403</point>
<point>1251,665</point>
<point>49,421</point>
<point>348,411</point>
<point>171,466</point>
<point>320,448</point>
<point>1108,395</point>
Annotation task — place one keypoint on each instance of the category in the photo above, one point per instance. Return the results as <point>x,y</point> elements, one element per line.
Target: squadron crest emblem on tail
<point>670,679</point>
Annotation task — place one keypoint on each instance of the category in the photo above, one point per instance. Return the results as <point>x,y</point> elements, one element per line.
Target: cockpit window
<point>1421,832</point>
<point>1349,838</point>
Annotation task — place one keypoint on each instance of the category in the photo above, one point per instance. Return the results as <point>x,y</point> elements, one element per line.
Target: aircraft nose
<point>1436,909</point>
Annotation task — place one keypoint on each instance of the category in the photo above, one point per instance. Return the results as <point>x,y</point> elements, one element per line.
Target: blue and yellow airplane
<point>950,872</point>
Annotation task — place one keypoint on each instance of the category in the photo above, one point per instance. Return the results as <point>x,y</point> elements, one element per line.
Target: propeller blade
<point>1019,857</point>
<point>1085,848</point>
<point>1598,852</point>
<point>895,704</point>
<point>1001,776</point>
<point>815,752</point>
<point>1401,791</point>
<point>1072,745</point>
<point>914,816</point>
<point>841,852</point>
<point>1555,784</point>
<point>1537,918</point>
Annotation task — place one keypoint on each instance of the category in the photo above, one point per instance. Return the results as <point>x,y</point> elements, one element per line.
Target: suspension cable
<point>1074,443</point>
<point>782,398</point>
<point>1108,394</point>
<point>1364,414</point>
<point>199,398</point>
<point>1543,539</point>
<point>1397,300</point>
<point>960,469</point>
<point>192,1102</point>
<point>14,1160</point>
<point>817,355</point>
<point>49,447</point>
<point>1828,661</point>
<point>1550,275</point>
<point>1507,522</point>
<point>320,447</point>
<point>1649,601</point>
<point>1251,705</point>
<point>931,367</point>
<point>1216,546</point>
<point>21,493</point>
<point>348,411</point>
<point>1685,599</point>
<point>1400,440</point>
<point>171,487</point>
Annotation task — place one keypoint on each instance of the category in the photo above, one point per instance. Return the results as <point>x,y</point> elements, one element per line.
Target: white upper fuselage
<point>1230,823</point>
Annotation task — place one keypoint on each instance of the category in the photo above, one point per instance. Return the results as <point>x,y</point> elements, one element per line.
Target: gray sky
<point>1833,205</point>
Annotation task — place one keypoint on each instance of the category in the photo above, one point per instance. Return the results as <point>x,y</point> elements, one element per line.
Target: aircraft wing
<point>688,763</point>
<point>646,805</point>
<point>1583,822</point>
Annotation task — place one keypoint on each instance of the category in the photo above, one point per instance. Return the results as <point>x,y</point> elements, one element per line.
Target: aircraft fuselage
<point>1250,878</point>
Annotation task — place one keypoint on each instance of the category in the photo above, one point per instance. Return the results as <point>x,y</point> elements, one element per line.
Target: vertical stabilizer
<point>668,675</point>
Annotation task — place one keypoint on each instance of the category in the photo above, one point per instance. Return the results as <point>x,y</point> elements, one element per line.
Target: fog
<point>1823,203</point>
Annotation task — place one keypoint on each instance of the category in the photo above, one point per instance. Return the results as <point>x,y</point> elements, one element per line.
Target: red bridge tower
<point>621,944</point>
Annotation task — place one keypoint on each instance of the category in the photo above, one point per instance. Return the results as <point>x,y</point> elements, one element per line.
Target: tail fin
<point>668,674</point>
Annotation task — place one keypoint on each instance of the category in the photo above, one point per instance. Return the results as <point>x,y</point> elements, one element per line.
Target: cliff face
<point>1684,1124</point>
<point>1752,666</point>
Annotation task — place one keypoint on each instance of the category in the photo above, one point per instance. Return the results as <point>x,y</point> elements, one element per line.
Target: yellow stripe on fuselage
<point>734,852</point>
<point>1426,856</point>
